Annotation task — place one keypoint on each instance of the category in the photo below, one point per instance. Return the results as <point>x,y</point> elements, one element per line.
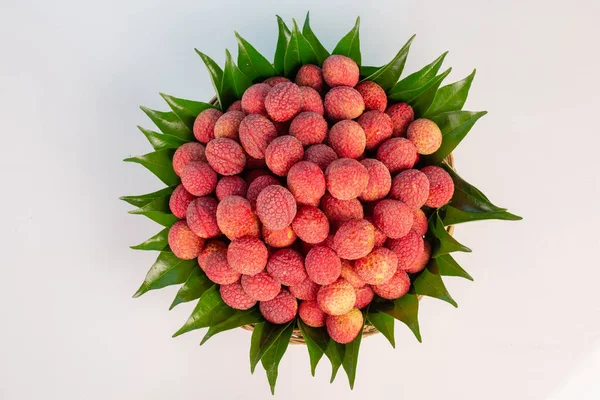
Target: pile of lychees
<point>307,191</point>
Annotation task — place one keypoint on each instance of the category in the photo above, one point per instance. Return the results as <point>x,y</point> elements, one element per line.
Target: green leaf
<point>209,311</point>
<point>310,36</point>
<point>299,52</point>
<point>270,360</point>
<point>430,283</point>
<point>161,141</point>
<point>160,163</point>
<point>451,97</point>
<point>216,75</point>
<point>443,243</point>
<point>234,82</point>
<point>316,342</point>
<point>263,337</point>
<point>367,70</point>
<point>448,266</point>
<point>156,242</point>
<point>167,270</point>
<point>253,64</point>
<point>454,126</point>
<point>143,199</point>
<point>417,82</point>
<point>388,75</point>
<point>335,353</point>
<point>158,211</point>
<point>196,284</point>
<point>350,360</point>
<point>239,318</point>
<point>186,110</point>
<point>349,46</point>
<point>470,204</point>
<point>384,324</point>
<point>421,103</point>
<point>283,39</point>
<point>169,123</point>
<point>405,309</point>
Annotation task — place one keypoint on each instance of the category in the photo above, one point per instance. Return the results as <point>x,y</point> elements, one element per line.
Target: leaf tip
<point>139,292</point>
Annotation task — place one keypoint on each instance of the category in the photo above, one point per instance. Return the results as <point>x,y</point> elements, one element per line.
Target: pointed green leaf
<point>308,33</point>
<point>384,324</point>
<point>156,242</point>
<point>160,163</point>
<point>367,70</point>
<point>194,287</point>
<point>283,39</point>
<point>430,283</point>
<point>455,216</point>
<point>454,126</point>
<point>234,82</point>
<point>443,242</point>
<point>239,318</point>
<point>335,353</point>
<point>169,123</point>
<point>270,360</point>
<point>350,361</point>
<point>161,141</point>
<point>299,52</point>
<point>167,270</point>
<point>405,309</point>
<point>263,337</point>
<point>451,97</point>
<point>158,211</point>
<point>388,75</point>
<point>186,110</point>
<point>143,199</point>
<point>210,310</point>
<point>253,64</point>
<point>448,266</point>
<point>349,46</point>
<point>316,342</point>
<point>415,84</point>
<point>421,103</point>
<point>216,75</point>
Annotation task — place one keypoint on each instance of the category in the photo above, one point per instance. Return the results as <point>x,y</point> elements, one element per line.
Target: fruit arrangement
<point>311,201</point>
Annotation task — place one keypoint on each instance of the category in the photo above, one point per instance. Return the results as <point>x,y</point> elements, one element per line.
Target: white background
<point>72,74</point>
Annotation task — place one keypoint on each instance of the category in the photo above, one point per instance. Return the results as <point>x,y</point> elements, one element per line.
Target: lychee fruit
<point>441,186</point>
<point>201,217</point>
<point>310,75</point>
<point>421,261</point>
<point>411,187</point>
<point>257,186</point>
<point>340,70</point>
<point>252,174</point>
<point>380,237</point>
<point>231,186</point>
<point>282,153</point>
<point>225,156</point>
<point>253,99</point>
<point>373,95</point>
<point>306,181</point>
<point>402,115</point>
<point>228,125</point>
<point>350,275</point>
<point>408,249</point>
<point>261,286</point>
<point>311,225</point>
<point>218,270</point>
<point>184,243</point>
<point>393,217</point>
<point>179,201</point>
<point>346,178</point>
<point>279,239</point>
<point>354,239</point>
<point>311,100</point>
<point>377,126</point>
<point>256,132</point>
<point>210,248</point>
<point>234,296</point>
<point>281,309</point>
<point>204,125</point>
<point>343,102</point>
<point>348,139</point>
<point>187,153</point>
<point>395,288</point>
<point>199,178</point>
<point>276,207</point>
<point>283,101</point>
<point>377,267</point>
<point>337,298</point>
<point>345,328</point>
<point>305,290</point>
<point>235,106</point>
<point>274,80</point>
<point>311,314</point>
<point>286,266</point>
<point>397,154</point>
<point>364,297</point>
<point>309,128</point>
<point>320,154</point>
<point>247,255</point>
<point>425,135</point>
<point>419,222</point>
<point>339,211</point>
<point>235,217</point>
<point>323,265</point>
<point>380,180</point>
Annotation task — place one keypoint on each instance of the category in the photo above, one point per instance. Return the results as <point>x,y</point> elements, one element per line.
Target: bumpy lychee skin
<point>350,275</point>
<point>346,178</point>
<point>234,296</point>
<point>309,128</point>
<point>345,328</point>
<point>231,186</point>
<point>225,156</point>
<point>276,207</point>
<point>408,249</point>
<point>373,95</point>
<point>282,153</point>
<point>235,106</point>
<point>380,180</point>
<point>305,290</point>
<point>311,100</point>
<point>211,247</point>
<point>340,70</point>
<point>339,211</point>
<point>397,154</point>
<point>274,80</point>
<point>393,217</point>
<point>310,75</point>
<point>364,297</point>
<point>419,222</point>
<point>441,186</point>
<point>425,135</point>
<point>261,286</point>
<point>247,255</point>
<point>348,139</point>
<point>306,247</point>
<point>187,153</point>
<point>377,126</point>
<point>323,265</point>
<point>204,125</point>
<point>179,201</point>
<point>306,182</point>
<point>395,288</point>
<point>284,101</point>
<point>421,261</point>
<point>286,266</point>
<point>380,237</point>
<point>235,217</point>
<point>337,298</point>
<point>253,99</point>
<point>199,178</point>
<point>311,225</point>
<point>320,154</point>
<point>377,267</point>
<point>281,309</point>
<point>343,102</point>
<point>201,217</point>
<point>257,186</point>
<point>183,242</point>
<point>229,124</point>
<point>402,115</point>
<point>411,187</point>
<point>279,239</point>
<point>355,239</point>
<point>256,132</point>
<point>218,270</point>
<point>258,171</point>
<point>311,314</point>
